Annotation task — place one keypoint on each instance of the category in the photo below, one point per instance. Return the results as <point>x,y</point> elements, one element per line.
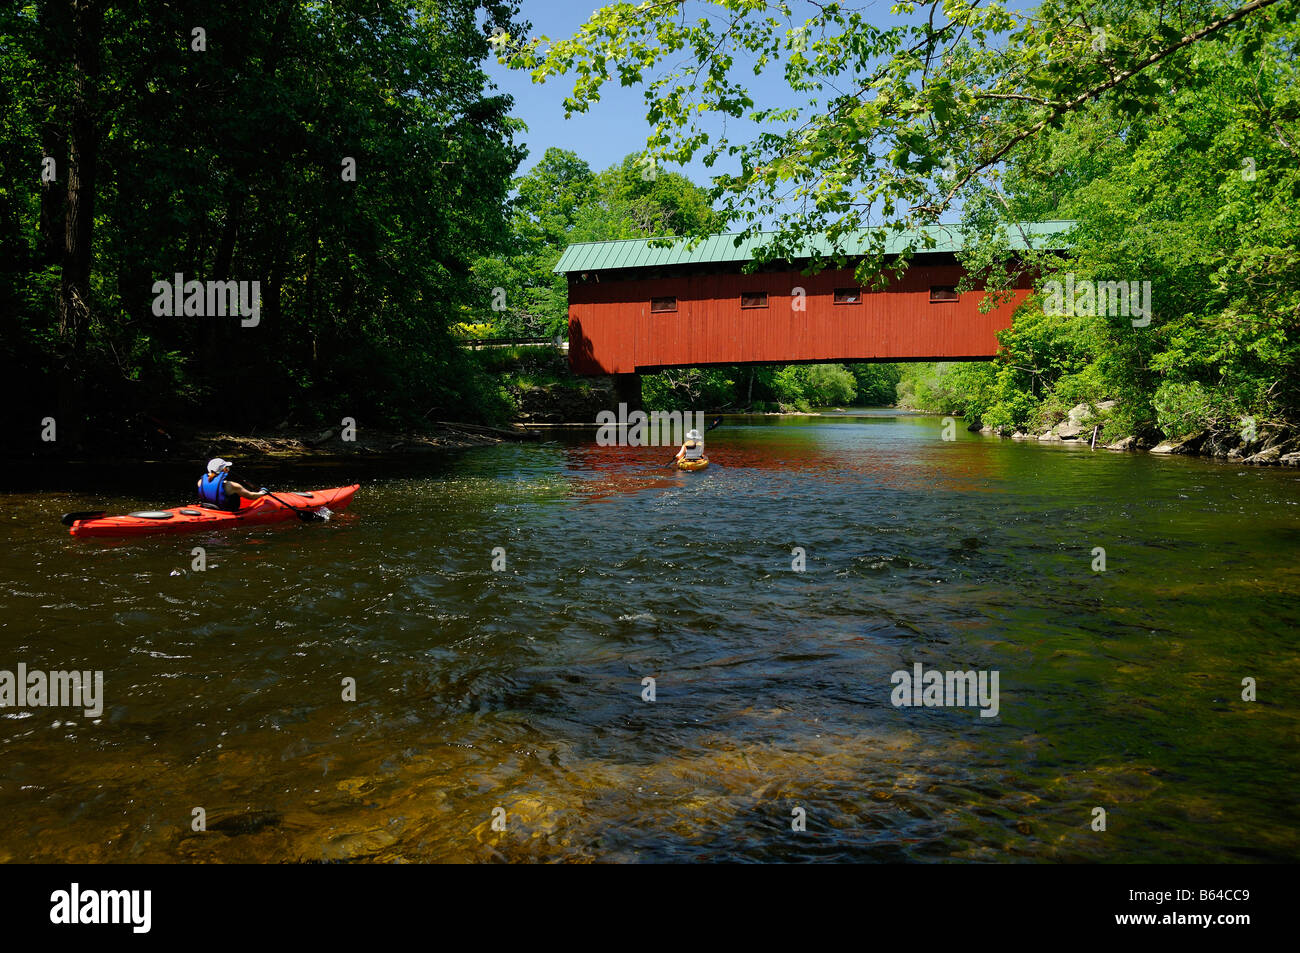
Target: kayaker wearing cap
<point>217,488</point>
<point>693,448</point>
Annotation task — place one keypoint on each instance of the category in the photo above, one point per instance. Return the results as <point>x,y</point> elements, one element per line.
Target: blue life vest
<point>213,490</point>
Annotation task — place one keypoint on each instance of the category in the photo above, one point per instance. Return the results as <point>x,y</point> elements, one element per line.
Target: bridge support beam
<point>627,390</point>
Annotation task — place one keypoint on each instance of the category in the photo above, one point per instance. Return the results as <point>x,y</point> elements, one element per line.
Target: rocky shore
<point>1265,445</point>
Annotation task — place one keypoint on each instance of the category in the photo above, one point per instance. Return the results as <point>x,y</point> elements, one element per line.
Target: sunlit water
<point>522,689</point>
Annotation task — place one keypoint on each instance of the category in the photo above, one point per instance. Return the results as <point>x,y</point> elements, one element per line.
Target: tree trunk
<point>79,212</point>
<point>54,144</point>
<point>229,232</point>
<point>55,23</point>
<point>79,219</point>
<point>309,281</point>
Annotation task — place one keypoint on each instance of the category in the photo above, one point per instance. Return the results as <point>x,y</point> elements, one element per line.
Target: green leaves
<point>964,81</point>
<point>560,201</point>
<point>1200,200</point>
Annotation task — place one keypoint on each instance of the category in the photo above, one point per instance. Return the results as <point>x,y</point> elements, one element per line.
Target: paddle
<point>716,421</point>
<point>70,518</point>
<point>306,515</point>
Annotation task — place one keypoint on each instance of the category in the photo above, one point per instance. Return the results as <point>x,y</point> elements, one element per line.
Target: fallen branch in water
<point>520,435</point>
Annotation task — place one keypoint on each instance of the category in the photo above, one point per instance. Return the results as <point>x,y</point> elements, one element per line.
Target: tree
<point>877,384</point>
<point>351,159</point>
<point>1198,199</point>
<point>560,201</point>
<point>897,123</point>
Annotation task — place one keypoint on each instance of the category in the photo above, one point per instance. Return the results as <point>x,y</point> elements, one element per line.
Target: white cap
<point>694,435</point>
<point>216,463</point>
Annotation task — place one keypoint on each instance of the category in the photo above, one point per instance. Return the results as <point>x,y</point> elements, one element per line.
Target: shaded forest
<point>351,158</point>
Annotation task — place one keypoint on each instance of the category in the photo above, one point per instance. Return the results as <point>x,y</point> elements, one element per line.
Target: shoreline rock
<point>1275,445</point>
<point>1079,422</point>
<point>1190,444</point>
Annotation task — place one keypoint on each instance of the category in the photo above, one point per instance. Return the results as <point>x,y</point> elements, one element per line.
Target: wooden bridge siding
<point>612,329</point>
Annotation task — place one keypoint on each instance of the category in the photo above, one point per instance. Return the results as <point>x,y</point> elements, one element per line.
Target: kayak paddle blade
<point>70,518</point>
<point>306,515</point>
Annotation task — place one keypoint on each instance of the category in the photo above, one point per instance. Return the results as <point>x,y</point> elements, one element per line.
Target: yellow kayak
<point>699,464</point>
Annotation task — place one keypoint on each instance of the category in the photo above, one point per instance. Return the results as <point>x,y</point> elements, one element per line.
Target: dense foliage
<point>1197,194</point>
<point>793,387</point>
<point>213,140</point>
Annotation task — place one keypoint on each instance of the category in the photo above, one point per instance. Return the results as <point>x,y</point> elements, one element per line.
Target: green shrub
<point>787,384</point>
<point>1183,408</point>
<point>690,388</point>
<point>877,383</point>
<point>827,384</point>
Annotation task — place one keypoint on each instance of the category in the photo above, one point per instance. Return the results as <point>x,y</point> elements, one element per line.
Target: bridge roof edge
<point>639,253</point>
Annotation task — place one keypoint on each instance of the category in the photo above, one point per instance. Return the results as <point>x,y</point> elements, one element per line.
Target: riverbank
<point>1256,444</point>
<point>157,441</point>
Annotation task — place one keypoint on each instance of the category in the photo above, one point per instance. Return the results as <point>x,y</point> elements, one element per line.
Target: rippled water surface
<point>522,689</point>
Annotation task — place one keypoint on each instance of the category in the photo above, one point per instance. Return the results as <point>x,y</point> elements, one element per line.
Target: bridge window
<point>940,293</point>
<point>753,299</point>
<point>663,304</point>
<point>848,295</point>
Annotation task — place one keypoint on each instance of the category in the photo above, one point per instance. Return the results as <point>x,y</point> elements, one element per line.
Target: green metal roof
<point>638,253</point>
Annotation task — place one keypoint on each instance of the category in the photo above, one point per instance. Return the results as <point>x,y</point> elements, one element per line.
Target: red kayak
<point>183,519</point>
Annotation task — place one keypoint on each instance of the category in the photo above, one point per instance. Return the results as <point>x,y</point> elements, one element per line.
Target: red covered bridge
<point>636,308</point>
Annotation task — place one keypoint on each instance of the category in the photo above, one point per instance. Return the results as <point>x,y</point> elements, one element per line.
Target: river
<point>515,697</point>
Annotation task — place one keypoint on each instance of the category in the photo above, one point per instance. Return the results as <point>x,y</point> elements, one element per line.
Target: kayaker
<point>693,448</point>
<point>217,488</point>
